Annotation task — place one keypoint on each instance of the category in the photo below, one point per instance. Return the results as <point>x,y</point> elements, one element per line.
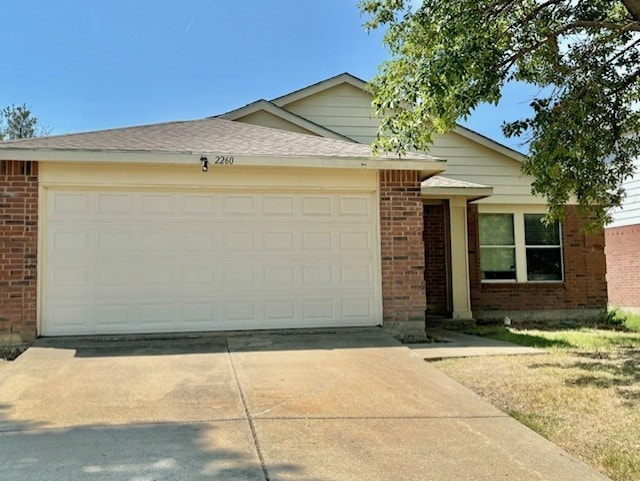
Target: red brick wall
<point>623,265</point>
<point>584,287</point>
<point>401,226</point>
<point>18,247</point>
<point>435,253</point>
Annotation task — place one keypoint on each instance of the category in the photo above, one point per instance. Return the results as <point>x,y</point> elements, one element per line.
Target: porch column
<point>461,298</point>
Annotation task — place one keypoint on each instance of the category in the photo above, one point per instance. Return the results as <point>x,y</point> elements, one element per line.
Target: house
<point>276,215</point>
<point>622,247</point>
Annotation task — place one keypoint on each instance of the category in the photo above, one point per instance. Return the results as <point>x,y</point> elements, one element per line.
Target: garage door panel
<point>198,205</point>
<point>112,317</point>
<point>279,205</point>
<point>317,205</point>
<point>179,315</point>
<point>109,204</point>
<point>127,262</point>
<point>356,206</point>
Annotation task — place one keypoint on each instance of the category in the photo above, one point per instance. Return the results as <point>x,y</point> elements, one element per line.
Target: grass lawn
<point>584,395</point>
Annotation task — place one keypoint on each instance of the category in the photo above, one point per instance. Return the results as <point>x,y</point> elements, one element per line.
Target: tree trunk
<point>634,8</point>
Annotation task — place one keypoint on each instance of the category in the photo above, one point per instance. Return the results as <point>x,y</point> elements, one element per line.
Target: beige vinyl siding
<point>344,109</point>
<point>630,212</point>
<point>266,119</point>
<point>347,109</point>
<point>472,162</point>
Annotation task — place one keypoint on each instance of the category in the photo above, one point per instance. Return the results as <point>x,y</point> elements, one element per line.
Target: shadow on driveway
<point>205,451</point>
<point>203,343</point>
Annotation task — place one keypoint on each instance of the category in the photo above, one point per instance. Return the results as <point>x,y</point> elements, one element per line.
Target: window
<point>544,252</point>
<point>497,247</point>
<point>517,246</point>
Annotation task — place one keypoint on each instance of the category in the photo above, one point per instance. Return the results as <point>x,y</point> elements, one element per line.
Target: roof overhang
<point>427,165</point>
<point>488,143</point>
<point>440,187</point>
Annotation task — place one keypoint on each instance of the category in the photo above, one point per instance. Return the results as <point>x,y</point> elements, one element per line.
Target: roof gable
<point>283,114</point>
<point>346,78</point>
<point>321,87</point>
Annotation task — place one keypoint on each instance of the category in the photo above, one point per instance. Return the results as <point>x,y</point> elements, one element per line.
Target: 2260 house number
<point>223,160</point>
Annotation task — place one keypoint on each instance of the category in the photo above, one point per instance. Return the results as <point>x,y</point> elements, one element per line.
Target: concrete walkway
<point>457,344</point>
<point>354,405</point>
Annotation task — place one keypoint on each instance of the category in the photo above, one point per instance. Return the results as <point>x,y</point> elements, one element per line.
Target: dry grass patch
<point>584,395</point>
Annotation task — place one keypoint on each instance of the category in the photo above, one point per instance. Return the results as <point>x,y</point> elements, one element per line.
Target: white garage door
<point>152,261</point>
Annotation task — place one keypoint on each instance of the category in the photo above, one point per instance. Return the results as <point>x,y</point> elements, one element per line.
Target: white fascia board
<point>433,166</point>
<point>488,143</point>
<point>320,87</point>
<point>266,106</point>
<point>471,194</point>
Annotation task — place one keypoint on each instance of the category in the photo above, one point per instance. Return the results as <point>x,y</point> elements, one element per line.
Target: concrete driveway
<point>353,405</point>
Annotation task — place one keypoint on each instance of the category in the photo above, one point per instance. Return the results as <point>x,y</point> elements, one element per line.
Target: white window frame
<point>518,213</point>
<point>503,246</point>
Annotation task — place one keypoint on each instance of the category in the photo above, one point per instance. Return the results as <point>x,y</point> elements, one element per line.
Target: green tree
<point>449,56</point>
<point>17,123</point>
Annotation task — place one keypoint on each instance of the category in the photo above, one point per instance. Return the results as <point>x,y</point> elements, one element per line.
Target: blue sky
<point>86,65</point>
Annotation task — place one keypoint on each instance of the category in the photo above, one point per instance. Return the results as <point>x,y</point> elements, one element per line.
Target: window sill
<point>512,282</point>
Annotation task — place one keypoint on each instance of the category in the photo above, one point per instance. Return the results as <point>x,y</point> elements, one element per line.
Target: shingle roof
<point>440,181</point>
<point>210,135</point>
<point>440,186</point>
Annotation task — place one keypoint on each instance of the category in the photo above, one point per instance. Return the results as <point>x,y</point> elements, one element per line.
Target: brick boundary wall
<point>623,266</point>
<point>18,250</point>
<point>402,247</point>
<point>435,253</point>
<point>584,290</point>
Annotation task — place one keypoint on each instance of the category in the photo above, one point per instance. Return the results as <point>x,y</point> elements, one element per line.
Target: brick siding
<point>402,247</point>
<point>623,265</point>
<point>435,253</point>
<point>584,287</point>
<point>18,247</point>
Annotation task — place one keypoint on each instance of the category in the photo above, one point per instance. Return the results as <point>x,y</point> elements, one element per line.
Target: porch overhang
<point>441,187</point>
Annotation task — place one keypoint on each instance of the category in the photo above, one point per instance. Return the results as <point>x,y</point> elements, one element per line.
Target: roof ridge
<point>100,131</point>
<point>219,116</point>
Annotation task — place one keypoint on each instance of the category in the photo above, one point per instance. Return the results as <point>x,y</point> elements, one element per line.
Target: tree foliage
<point>17,123</point>
<point>449,56</point>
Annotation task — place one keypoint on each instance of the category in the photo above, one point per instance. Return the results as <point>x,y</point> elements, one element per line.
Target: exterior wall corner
<point>584,289</point>
<point>18,250</point>
<point>402,248</point>
<point>623,266</point>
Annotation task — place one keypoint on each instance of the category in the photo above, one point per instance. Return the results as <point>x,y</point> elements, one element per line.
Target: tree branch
<point>508,63</point>
<point>588,24</point>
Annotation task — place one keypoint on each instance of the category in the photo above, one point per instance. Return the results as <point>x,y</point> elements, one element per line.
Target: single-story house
<point>277,215</point>
<point>622,247</point>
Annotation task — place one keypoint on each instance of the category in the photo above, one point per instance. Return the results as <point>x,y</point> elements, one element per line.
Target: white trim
<point>378,254</point>
<point>512,208</point>
<point>470,193</point>
<point>488,143</point>
<point>560,232</point>
<point>434,166</point>
<point>266,106</point>
<point>521,250</point>
<point>320,87</point>
<point>461,296</point>
<point>518,212</point>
